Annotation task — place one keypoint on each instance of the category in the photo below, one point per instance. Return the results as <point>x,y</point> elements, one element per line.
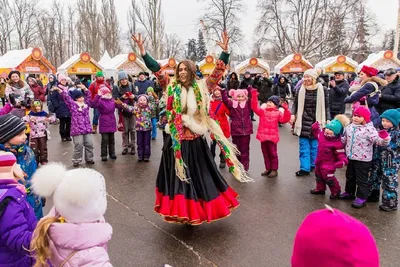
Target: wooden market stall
<point>337,63</point>
<point>294,63</point>
<point>127,62</point>
<point>168,65</point>
<point>207,65</point>
<point>252,65</point>
<point>81,66</point>
<point>381,60</point>
<point>29,62</point>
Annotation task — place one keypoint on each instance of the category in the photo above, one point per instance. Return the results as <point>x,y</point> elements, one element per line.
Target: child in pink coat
<point>268,132</point>
<point>331,155</point>
<point>75,229</point>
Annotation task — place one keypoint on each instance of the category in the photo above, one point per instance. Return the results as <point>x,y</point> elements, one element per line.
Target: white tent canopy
<point>105,59</point>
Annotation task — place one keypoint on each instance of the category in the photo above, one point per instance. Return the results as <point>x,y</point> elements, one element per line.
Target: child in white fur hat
<point>75,232</point>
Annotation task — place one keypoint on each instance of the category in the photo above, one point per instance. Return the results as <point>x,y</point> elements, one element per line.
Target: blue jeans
<point>154,128</point>
<point>96,116</point>
<point>307,153</point>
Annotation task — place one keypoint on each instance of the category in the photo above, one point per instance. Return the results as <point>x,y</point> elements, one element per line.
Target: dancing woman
<point>189,187</point>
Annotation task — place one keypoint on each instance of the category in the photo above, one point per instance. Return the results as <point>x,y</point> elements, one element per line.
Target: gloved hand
<point>315,125</point>
<point>11,97</point>
<point>285,105</point>
<point>383,134</point>
<point>339,165</point>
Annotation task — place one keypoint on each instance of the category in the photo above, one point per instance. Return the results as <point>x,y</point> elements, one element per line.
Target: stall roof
<point>74,59</point>
<point>14,58</point>
<point>287,60</point>
<point>246,62</point>
<point>375,57</point>
<point>118,60</point>
<point>332,60</point>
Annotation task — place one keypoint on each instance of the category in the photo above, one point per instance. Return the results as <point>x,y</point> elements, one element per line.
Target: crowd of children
<point>371,155</point>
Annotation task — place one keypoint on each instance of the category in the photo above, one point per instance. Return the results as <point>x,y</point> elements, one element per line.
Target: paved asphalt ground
<point>258,233</point>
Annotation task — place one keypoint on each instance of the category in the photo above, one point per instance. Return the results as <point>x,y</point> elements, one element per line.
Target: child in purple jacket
<point>78,103</point>
<point>17,218</point>
<point>105,104</point>
<point>241,125</point>
<point>142,110</point>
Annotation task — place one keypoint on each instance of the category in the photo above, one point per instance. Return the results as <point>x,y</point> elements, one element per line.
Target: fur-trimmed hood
<point>376,79</point>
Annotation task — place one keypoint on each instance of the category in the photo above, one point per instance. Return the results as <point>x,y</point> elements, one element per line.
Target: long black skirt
<point>206,198</point>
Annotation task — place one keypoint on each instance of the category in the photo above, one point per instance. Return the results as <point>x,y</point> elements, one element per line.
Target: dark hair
<point>191,72</point>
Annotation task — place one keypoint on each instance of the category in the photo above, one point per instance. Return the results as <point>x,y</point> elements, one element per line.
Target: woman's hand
<point>225,42</point>
<point>139,40</point>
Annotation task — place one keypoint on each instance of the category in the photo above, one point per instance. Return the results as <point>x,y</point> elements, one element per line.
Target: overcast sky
<point>181,16</point>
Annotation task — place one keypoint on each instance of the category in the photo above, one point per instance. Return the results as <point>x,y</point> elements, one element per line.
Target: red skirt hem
<point>189,211</point>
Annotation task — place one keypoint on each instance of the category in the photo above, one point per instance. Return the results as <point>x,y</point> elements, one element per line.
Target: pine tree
<point>336,41</point>
<point>201,47</point>
<point>192,50</point>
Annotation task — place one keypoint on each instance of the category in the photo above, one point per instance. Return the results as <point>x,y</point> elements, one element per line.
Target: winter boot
<point>316,192</point>
<point>386,208</point>
<point>359,203</point>
<point>346,196</point>
<point>94,129</point>
<point>266,173</point>
<point>133,152</point>
<point>125,151</point>
<point>302,173</point>
<point>273,174</point>
<point>332,196</point>
<point>374,196</point>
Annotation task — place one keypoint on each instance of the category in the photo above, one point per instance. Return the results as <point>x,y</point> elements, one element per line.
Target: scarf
<point>81,106</point>
<point>174,116</point>
<point>320,109</point>
<point>235,103</point>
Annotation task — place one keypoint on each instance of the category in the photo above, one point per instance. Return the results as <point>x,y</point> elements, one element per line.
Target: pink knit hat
<point>363,112</point>
<point>61,77</point>
<point>330,237</point>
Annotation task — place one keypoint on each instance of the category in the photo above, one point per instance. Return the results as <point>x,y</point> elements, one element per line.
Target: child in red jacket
<point>219,112</point>
<point>331,155</point>
<point>268,131</point>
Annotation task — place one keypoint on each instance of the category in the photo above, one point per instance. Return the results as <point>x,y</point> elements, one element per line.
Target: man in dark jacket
<point>390,94</point>
<point>264,87</point>
<point>142,84</point>
<point>339,89</point>
<point>247,80</point>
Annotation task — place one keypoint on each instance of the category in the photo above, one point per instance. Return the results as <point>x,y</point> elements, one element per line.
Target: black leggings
<point>65,127</point>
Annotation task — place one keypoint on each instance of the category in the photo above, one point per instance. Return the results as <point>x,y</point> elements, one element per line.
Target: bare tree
<point>87,28</point>
<point>149,16</point>
<point>6,26</point>
<point>24,14</point>
<point>110,26</point>
<point>223,15</point>
<point>71,41</point>
<point>315,28</point>
<point>173,47</point>
<point>51,35</point>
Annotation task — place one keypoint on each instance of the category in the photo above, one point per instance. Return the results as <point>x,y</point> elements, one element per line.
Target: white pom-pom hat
<point>79,195</point>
